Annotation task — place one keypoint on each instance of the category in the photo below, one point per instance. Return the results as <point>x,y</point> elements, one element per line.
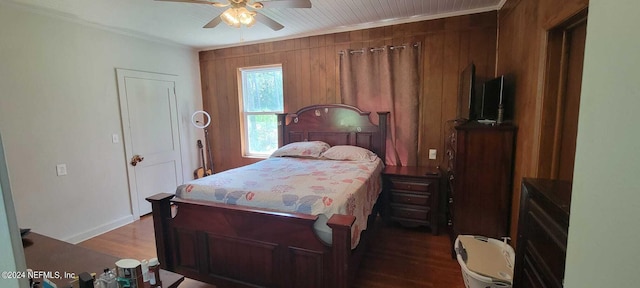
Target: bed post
<point>282,123</point>
<point>341,248</point>
<point>161,210</point>
<point>383,118</point>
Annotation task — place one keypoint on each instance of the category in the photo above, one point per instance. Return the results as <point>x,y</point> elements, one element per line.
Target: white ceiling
<point>182,23</point>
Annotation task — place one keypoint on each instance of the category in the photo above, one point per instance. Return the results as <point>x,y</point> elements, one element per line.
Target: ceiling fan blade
<point>213,23</point>
<point>217,4</point>
<point>287,4</point>
<point>268,21</point>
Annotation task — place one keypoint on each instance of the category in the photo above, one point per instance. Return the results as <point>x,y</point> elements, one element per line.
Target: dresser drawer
<point>545,246</point>
<point>411,184</point>
<point>407,198</point>
<point>402,211</point>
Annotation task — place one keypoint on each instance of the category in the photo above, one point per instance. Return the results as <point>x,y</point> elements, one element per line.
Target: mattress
<point>286,184</point>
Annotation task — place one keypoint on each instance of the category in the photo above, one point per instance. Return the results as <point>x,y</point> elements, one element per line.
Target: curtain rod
<point>379,49</point>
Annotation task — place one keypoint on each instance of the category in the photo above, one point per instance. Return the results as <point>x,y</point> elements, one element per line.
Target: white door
<point>150,125</point>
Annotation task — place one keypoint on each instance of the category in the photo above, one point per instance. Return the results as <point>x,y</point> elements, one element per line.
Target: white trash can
<point>485,262</point>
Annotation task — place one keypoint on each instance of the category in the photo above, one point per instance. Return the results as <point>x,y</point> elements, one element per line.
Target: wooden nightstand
<point>411,195</point>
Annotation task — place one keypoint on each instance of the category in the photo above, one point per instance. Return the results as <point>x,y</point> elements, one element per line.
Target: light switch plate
<point>61,169</point>
<point>115,138</point>
<point>433,154</point>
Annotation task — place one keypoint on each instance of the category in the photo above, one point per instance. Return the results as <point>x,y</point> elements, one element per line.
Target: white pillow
<point>349,153</point>
<point>310,149</point>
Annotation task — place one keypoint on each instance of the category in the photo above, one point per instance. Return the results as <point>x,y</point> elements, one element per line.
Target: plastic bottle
<point>145,270</point>
<point>101,282</point>
<point>107,279</point>
<point>154,273</point>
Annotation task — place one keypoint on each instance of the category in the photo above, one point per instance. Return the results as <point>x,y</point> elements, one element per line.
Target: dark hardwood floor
<point>397,257</point>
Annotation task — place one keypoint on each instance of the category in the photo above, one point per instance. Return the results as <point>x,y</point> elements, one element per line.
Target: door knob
<point>135,159</point>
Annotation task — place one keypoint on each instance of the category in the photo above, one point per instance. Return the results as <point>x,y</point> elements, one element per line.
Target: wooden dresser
<point>542,233</point>
<point>479,175</point>
<point>412,194</point>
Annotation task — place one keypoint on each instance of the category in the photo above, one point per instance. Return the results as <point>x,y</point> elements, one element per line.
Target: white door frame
<point>122,74</point>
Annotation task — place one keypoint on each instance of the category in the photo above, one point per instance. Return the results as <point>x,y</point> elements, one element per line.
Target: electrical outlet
<point>432,154</point>
<point>61,169</point>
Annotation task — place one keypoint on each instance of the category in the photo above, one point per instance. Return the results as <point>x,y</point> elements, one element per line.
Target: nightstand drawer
<point>408,185</point>
<point>411,195</point>
<point>413,199</point>
<point>401,211</point>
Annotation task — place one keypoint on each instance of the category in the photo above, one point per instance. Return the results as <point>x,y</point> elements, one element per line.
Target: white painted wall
<point>604,232</point>
<point>59,104</point>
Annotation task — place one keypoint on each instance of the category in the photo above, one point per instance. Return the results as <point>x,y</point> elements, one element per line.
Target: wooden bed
<point>235,246</point>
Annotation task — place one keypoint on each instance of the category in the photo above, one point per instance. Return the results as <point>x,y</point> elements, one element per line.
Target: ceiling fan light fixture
<point>229,17</point>
<point>239,16</point>
<point>250,22</point>
<point>246,16</point>
<point>237,13</point>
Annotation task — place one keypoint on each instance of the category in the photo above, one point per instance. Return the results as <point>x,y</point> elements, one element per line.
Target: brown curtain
<point>386,79</point>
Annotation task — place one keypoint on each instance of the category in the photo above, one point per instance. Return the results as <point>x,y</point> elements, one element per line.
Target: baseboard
<point>99,230</point>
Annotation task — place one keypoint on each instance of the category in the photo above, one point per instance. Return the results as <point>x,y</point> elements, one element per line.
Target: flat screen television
<point>495,93</point>
<point>466,94</point>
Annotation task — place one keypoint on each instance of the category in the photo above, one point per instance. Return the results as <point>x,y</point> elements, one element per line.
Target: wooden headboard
<point>335,124</point>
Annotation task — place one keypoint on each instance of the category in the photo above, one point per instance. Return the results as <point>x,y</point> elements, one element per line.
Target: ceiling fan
<point>238,14</point>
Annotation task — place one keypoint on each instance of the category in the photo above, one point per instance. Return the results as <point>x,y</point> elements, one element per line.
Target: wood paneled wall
<point>311,75</point>
<point>523,28</point>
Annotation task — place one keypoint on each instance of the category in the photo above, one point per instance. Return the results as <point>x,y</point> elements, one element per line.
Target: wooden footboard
<point>242,247</point>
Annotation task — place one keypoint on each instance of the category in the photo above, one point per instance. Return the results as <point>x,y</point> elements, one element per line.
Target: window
<point>261,97</point>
